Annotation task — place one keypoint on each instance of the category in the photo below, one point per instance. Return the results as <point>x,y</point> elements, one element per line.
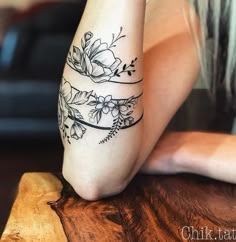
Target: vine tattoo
<point>97,60</point>
<point>97,109</point>
<point>121,111</point>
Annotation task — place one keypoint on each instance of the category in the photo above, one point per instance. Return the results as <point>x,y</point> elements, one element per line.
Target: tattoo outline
<point>120,110</point>
<point>97,60</point>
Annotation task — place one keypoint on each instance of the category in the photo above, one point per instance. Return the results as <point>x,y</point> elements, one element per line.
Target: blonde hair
<point>218,52</point>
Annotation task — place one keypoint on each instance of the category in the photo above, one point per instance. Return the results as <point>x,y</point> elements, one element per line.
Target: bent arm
<point>100,101</point>
<point>208,154</point>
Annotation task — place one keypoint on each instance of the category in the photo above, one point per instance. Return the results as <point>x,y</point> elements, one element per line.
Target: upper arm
<point>167,18</point>
<point>171,65</point>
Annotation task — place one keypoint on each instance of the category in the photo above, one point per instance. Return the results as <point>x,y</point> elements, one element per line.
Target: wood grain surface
<point>31,217</point>
<point>152,208</point>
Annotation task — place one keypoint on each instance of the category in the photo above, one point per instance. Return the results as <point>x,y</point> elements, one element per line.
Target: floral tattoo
<point>97,60</point>
<point>74,124</point>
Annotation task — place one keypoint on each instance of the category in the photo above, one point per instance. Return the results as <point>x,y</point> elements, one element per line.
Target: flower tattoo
<point>120,110</point>
<point>96,59</point>
<point>65,110</point>
<point>78,110</point>
<point>73,123</point>
<point>104,104</point>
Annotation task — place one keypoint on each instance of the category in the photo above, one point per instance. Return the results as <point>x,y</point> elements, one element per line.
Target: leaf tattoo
<point>115,39</point>
<point>81,97</point>
<point>114,129</point>
<point>72,122</point>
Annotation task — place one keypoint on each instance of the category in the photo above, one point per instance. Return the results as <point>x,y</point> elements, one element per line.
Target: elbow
<point>97,180</point>
<point>89,190</point>
<point>93,187</point>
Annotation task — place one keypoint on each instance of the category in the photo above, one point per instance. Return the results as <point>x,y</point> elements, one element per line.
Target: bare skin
<point>170,69</point>
<point>207,154</point>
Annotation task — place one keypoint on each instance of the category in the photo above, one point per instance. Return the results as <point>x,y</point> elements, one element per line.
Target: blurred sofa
<point>32,58</point>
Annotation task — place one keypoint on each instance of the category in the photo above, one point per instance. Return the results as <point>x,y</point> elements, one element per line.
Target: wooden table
<point>152,208</point>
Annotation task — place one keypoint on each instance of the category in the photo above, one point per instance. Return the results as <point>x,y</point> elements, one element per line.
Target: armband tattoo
<point>78,110</point>
<point>97,60</point>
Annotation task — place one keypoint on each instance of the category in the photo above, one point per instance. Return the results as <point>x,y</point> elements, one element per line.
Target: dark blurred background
<point>35,36</point>
<point>34,40</point>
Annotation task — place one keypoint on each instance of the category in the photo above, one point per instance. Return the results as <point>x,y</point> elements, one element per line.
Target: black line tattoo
<point>107,128</point>
<point>115,39</point>
<point>96,60</point>
<point>70,101</point>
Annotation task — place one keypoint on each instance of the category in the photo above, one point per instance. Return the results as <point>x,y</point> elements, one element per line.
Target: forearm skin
<point>100,103</point>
